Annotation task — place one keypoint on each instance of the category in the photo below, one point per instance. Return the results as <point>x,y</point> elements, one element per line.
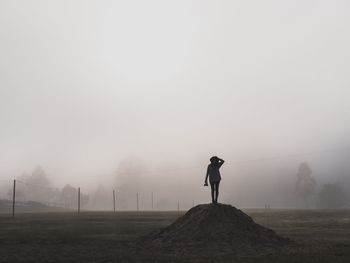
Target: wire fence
<point>21,197</point>
<point>18,196</point>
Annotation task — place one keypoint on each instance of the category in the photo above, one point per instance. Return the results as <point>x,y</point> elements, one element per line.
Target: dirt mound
<point>216,226</point>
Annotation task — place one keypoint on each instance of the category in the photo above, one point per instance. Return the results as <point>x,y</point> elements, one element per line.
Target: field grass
<point>322,235</point>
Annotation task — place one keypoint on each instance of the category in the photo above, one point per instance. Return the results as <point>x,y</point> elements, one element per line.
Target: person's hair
<point>214,159</point>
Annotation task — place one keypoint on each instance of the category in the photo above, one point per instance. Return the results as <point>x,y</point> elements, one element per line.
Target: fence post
<point>137,201</point>
<point>13,198</point>
<point>152,200</point>
<point>178,207</point>
<point>78,200</point>
<point>113,200</point>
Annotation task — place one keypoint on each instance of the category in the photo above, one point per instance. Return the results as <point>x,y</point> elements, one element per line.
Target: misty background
<point>138,95</point>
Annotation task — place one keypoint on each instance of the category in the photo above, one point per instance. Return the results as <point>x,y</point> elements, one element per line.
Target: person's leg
<point>212,192</point>
<point>216,191</point>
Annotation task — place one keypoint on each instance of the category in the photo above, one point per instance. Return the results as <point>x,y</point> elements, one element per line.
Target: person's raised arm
<point>206,177</point>
<point>221,162</point>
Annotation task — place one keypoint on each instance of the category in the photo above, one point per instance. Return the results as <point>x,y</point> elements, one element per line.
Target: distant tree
<point>305,185</point>
<point>84,200</point>
<point>35,187</point>
<point>129,172</point>
<point>101,199</point>
<point>69,196</point>
<point>332,196</point>
<point>129,179</point>
<point>39,177</point>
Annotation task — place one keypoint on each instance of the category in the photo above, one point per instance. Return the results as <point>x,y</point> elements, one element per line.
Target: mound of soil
<point>213,227</point>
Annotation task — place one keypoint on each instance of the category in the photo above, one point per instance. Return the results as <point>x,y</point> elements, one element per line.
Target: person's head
<point>214,160</point>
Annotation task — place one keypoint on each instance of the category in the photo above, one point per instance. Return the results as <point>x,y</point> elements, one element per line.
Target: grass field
<point>322,235</point>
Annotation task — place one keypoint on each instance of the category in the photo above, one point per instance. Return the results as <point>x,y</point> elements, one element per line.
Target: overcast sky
<point>86,84</point>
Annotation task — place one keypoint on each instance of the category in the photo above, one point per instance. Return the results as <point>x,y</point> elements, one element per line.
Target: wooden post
<point>178,207</point>
<point>113,200</point>
<point>13,198</point>
<point>78,200</point>
<point>152,200</point>
<point>137,201</point>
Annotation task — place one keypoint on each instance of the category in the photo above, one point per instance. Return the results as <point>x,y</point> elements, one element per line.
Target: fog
<point>138,95</point>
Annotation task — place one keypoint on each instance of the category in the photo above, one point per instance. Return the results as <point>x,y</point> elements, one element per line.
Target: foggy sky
<point>87,84</point>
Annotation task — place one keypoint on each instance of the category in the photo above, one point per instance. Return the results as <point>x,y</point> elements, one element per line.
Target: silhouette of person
<point>214,177</point>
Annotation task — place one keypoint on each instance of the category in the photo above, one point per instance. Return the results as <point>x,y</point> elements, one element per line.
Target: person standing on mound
<point>214,177</point>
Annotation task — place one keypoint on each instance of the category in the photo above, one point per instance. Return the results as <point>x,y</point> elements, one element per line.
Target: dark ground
<point>322,235</point>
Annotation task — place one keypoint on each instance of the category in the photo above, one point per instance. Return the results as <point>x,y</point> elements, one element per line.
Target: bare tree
<point>305,185</point>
